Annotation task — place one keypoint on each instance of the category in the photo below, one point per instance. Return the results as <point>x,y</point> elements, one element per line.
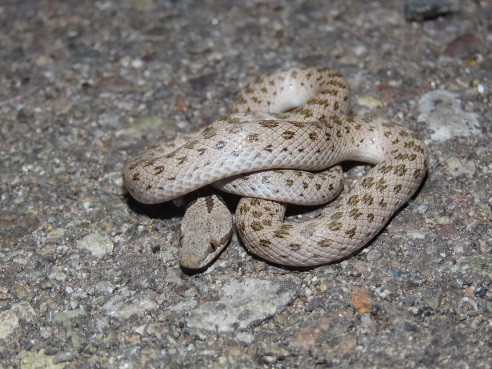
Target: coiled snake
<point>284,132</point>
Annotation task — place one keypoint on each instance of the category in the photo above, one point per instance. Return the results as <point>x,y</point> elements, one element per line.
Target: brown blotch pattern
<point>157,170</point>
<point>209,204</point>
<point>368,199</point>
<point>400,170</point>
<point>325,243</point>
<point>367,182</point>
<point>269,123</point>
<point>355,213</point>
<point>282,231</point>
<point>252,137</point>
<point>351,232</point>
<point>335,226</point>
<point>256,226</point>
<point>265,243</point>
<point>256,213</point>
<point>353,200</point>
<point>244,209</point>
<point>295,246</point>
<point>288,134</point>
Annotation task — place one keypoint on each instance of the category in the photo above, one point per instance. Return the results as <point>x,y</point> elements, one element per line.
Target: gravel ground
<point>90,278</point>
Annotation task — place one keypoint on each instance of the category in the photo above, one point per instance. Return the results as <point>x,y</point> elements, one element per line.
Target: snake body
<point>283,124</point>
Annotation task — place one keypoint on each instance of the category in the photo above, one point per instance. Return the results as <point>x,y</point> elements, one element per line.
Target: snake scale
<point>286,130</point>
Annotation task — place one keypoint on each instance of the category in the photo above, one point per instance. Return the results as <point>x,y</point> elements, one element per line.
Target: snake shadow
<point>162,211</point>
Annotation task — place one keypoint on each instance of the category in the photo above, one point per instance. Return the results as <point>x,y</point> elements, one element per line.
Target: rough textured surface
<point>83,86</point>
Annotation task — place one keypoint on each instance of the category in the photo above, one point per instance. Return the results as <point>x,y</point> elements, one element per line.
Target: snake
<point>289,129</point>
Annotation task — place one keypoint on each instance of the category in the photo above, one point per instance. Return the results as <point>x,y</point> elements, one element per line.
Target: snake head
<point>205,231</point>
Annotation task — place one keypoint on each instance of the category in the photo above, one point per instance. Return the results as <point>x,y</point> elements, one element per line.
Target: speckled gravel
<point>90,278</point>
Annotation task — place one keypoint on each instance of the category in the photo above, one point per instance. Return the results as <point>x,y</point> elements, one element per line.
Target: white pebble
<point>137,63</point>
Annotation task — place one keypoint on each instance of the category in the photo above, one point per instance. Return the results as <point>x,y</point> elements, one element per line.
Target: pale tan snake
<point>257,136</point>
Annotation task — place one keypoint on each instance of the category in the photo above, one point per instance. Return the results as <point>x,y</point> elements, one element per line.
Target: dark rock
<point>420,10</point>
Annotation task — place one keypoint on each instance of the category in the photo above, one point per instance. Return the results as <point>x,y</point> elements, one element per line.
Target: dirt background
<point>90,278</point>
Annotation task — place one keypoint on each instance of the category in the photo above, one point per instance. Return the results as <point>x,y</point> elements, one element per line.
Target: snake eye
<point>212,247</point>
